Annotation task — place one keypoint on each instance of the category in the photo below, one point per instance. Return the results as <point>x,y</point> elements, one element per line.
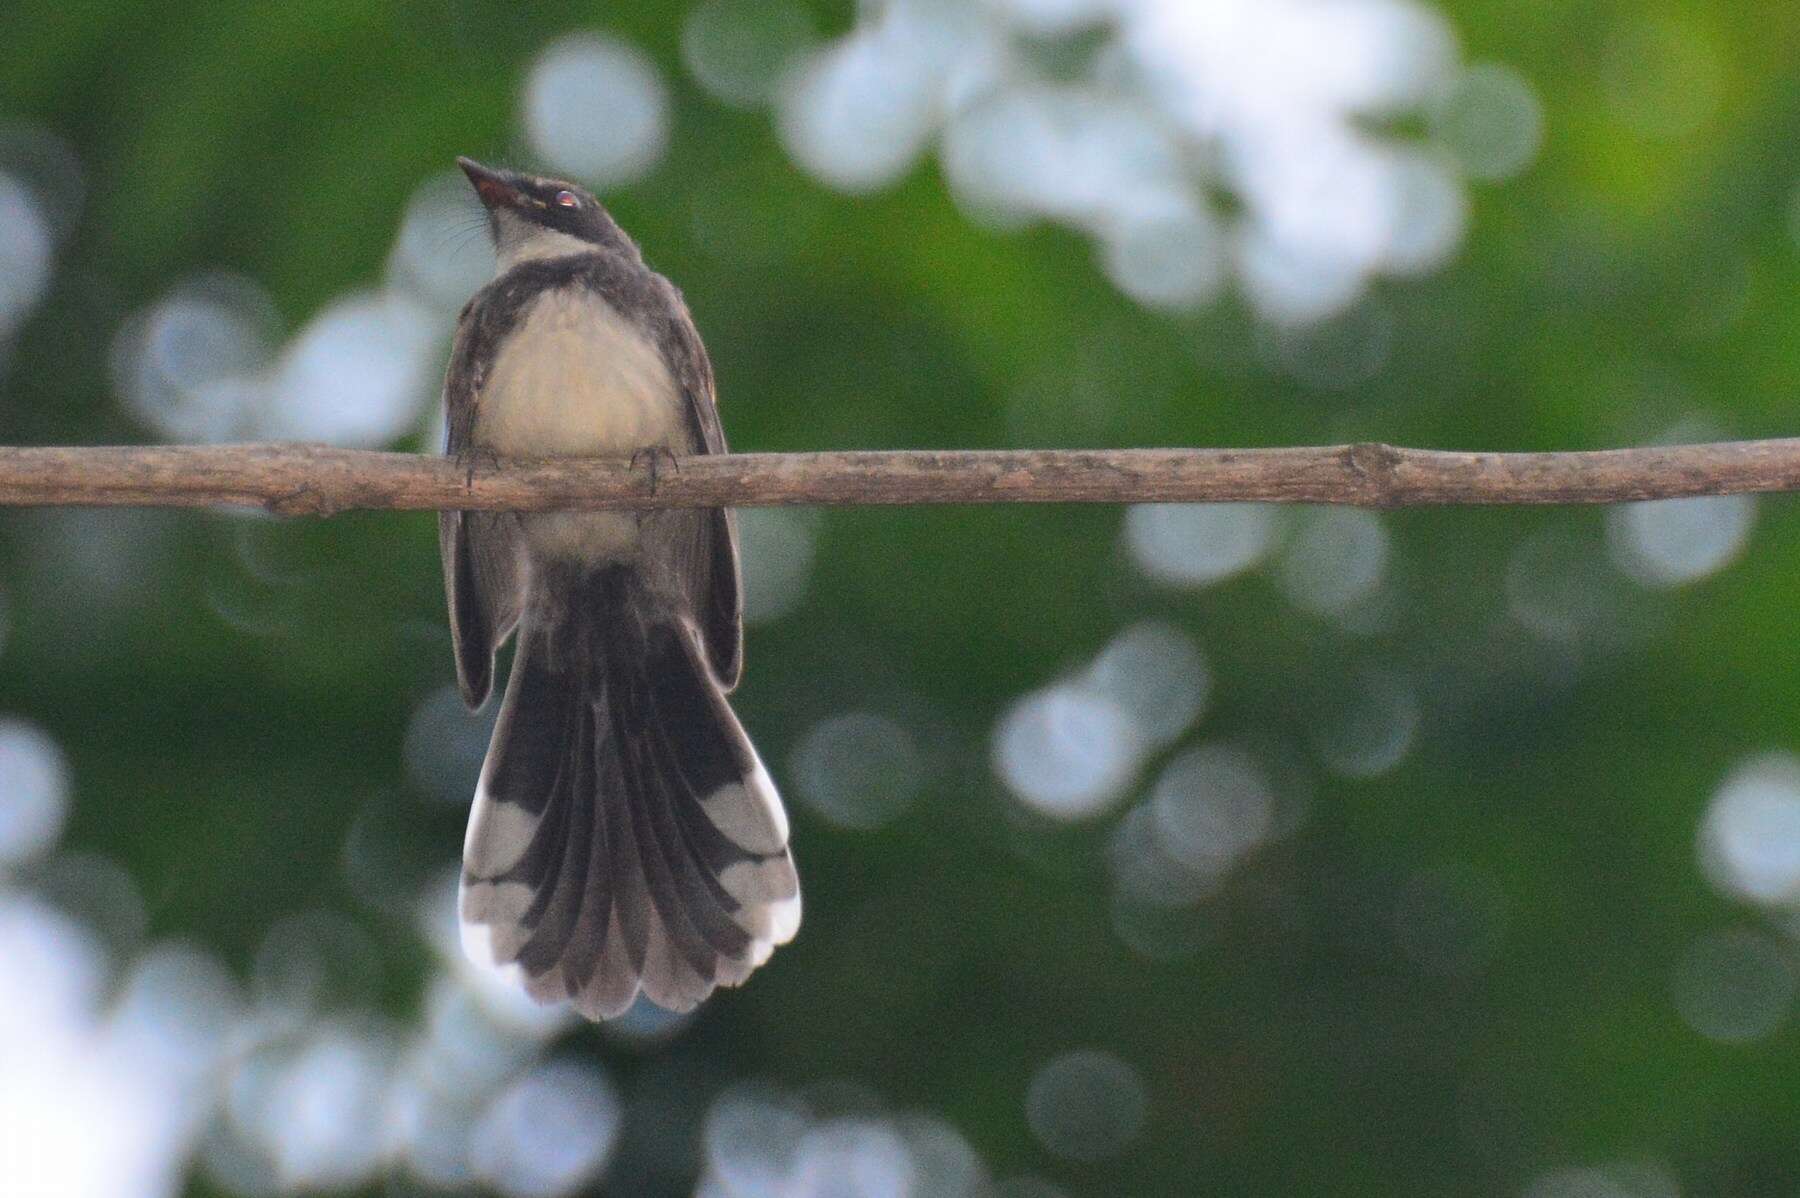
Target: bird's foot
<point>651,456</point>
<point>475,457</point>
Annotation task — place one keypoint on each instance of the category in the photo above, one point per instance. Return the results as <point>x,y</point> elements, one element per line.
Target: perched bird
<point>625,837</point>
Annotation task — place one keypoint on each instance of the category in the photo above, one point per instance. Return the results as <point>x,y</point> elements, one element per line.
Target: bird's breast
<point>577,379</point>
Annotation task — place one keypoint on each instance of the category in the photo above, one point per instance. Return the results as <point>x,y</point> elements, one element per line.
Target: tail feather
<point>681,939</point>
<point>598,972</point>
<point>567,880</point>
<point>696,911</point>
<point>625,836</point>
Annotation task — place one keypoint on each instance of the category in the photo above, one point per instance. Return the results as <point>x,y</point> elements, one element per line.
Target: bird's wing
<point>481,576</point>
<point>715,584</point>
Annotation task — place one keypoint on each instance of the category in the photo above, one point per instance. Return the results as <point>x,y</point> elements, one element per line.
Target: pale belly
<point>578,380</point>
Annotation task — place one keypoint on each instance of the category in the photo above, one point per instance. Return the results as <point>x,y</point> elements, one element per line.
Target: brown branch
<point>317,480</point>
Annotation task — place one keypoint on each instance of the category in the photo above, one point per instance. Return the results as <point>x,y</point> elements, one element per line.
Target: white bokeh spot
<point>597,109</point>
<point>34,791</point>
<point>1067,751</point>
<point>1198,544</point>
<point>1671,542</point>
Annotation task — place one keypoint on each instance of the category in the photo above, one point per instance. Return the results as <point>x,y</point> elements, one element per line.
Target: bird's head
<point>534,217</point>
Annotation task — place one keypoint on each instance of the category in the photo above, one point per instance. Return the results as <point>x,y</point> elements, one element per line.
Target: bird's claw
<point>652,456</point>
<point>472,458</point>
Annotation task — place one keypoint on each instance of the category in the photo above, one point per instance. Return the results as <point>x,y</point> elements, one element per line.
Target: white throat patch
<point>522,241</point>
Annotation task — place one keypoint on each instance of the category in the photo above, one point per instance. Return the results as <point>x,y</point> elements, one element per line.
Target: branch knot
<point>1375,463</point>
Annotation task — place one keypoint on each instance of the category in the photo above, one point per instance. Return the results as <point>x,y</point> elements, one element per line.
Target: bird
<point>625,838</point>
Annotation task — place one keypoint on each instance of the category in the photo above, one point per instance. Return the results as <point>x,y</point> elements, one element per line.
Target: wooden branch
<point>317,480</point>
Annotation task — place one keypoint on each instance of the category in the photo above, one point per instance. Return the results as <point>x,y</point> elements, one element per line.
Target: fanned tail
<point>625,836</point>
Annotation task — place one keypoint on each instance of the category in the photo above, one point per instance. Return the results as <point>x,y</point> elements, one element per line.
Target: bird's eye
<point>568,199</point>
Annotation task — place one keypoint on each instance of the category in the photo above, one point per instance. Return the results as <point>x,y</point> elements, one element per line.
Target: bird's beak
<point>490,185</point>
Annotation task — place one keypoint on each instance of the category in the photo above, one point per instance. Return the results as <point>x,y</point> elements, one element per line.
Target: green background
<point>1632,279</point>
